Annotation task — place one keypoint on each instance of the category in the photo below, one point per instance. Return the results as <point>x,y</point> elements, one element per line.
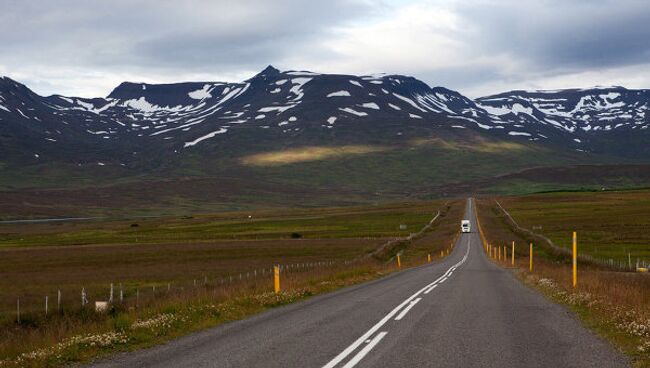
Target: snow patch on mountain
<point>207,136</point>
<point>356,83</point>
<point>409,101</point>
<point>296,89</point>
<point>353,111</point>
<point>519,133</point>
<point>370,105</point>
<point>202,93</point>
<point>342,93</point>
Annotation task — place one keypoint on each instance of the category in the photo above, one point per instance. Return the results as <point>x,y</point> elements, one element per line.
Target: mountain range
<point>276,124</point>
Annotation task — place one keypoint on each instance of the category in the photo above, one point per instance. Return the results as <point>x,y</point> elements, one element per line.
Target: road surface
<point>461,312</point>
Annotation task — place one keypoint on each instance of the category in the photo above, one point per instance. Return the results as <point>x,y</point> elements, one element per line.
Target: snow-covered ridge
<point>603,108</point>
<point>197,114</point>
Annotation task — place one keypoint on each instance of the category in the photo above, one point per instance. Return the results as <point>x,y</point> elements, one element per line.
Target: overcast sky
<point>478,47</point>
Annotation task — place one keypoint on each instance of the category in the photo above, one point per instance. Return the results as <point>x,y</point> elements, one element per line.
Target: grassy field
<point>426,167</point>
<point>39,259</point>
<point>186,267</point>
<point>610,225</point>
<point>325,223</point>
<point>615,304</point>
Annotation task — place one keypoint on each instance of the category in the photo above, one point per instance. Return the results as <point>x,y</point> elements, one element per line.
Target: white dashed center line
<point>407,304</point>
<point>407,309</point>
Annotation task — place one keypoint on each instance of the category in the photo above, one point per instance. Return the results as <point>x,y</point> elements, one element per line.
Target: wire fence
<point>629,265</point>
<point>102,297</point>
<point>29,307</point>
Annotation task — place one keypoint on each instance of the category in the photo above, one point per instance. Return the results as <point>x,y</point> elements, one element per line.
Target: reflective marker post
<point>575,259</point>
<point>276,279</point>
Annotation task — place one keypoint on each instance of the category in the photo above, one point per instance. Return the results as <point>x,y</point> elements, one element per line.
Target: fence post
<point>84,300</point>
<point>46,300</point>
<point>513,252</point>
<point>276,279</point>
<point>575,259</point>
<point>58,300</point>
<point>110,298</point>
<point>429,257</point>
<point>629,260</point>
<point>18,310</point>
<point>530,267</point>
<point>399,262</point>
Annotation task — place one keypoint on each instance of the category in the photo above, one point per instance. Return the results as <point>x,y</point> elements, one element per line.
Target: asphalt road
<point>461,312</point>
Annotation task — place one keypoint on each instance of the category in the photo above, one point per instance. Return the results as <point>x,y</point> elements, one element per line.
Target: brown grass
<point>195,308</point>
<point>36,272</point>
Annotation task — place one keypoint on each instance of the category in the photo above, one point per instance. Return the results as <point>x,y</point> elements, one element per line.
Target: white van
<point>465,226</point>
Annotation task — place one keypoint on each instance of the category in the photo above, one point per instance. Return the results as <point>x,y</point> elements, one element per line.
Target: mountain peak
<point>269,71</point>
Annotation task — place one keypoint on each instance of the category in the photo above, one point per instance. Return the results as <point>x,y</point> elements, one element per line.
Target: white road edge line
<point>342,355</point>
<point>362,353</point>
<point>407,309</point>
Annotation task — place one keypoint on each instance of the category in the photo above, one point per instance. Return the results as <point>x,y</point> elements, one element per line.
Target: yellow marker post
<point>429,257</point>
<point>499,251</point>
<point>575,259</point>
<point>276,278</point>
<point>530,251</point>
<point>442,254</point>
<point>513,253</point>
<point>505,253</point>
<point>399,262</point>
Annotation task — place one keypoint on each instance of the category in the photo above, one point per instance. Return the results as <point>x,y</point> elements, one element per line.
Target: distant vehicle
<point>465,226</point>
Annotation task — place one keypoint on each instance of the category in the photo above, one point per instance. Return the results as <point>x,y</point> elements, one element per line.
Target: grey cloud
<point>149,36</point>
<point>567,34</point>
<point>228,37</point>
